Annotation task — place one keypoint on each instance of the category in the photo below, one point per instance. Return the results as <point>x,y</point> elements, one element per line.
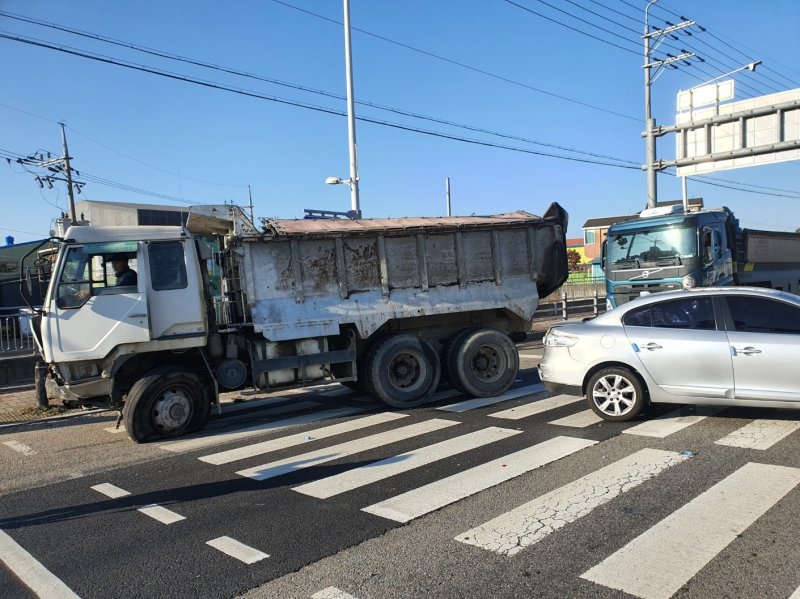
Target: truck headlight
<point>554,338</point>
<point>688,282</point>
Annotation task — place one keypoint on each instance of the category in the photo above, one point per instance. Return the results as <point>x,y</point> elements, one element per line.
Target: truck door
<point>679,345</point>
<point>174,290</point>
<point>91,311</point>
<point>764,336</point>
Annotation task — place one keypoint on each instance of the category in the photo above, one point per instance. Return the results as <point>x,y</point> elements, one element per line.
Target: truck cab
<point>667,248</point>
<point>95,319</point>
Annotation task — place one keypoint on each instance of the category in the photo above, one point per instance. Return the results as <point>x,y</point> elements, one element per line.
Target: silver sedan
<point>734,346</point>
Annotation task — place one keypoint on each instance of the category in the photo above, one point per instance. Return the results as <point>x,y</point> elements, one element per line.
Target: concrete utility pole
<point>649,121</point>
<point>355,205</point>
<point>447,193</point>
<point>72,217</point>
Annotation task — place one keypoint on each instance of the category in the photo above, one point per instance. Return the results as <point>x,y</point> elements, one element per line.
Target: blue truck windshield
<point>670,243</point>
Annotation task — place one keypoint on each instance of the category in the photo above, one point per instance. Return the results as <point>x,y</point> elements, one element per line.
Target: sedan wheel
<point>615,394</point>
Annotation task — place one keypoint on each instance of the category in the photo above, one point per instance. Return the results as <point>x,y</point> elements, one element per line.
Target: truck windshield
<point>671,243</point>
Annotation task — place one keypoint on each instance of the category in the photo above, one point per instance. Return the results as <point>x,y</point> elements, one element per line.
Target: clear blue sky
<point>203,145</point>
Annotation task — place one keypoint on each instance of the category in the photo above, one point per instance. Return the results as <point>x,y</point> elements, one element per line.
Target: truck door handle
<point>747,351</point>
<point>651,346</point>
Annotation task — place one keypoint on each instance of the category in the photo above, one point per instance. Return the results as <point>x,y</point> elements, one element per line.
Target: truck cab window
<point>167,266</point>
<point>90,271</point>
<point>74,287</point>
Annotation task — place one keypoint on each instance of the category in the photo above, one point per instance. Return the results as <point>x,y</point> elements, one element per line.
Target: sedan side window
<point>691,313</point>
<point>761,315</point>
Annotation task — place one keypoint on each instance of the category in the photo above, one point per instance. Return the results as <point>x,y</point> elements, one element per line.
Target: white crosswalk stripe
<point>661,560</point>
<point>237,550</point>
<point>521,527</point>
<point>536,407</point>
<point>217,438</point>
<point>433,496</point>
<point>353,479</point>
<point>327,454</point>
<point>248,451</point>
<point>479,402</point>
<point>760,434</point>
<point>672,422</point>
<point>582,419</point>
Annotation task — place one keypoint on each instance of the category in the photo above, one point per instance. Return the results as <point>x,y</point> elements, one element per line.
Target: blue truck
<point>669,247</point>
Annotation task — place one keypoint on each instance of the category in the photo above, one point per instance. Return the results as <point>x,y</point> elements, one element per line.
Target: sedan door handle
<point>652,346</point>
<point>747,351</point>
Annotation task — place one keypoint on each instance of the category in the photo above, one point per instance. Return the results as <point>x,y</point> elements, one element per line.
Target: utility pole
<point>57,166</point>
<point>649,122</point>
<point>250,195</point>
<point>72,218</point>
<point>447,193</point>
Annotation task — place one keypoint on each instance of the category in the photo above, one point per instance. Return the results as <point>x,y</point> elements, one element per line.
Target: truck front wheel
<point>168,402</point>
<point>482,362</point>
<point>403,370</point>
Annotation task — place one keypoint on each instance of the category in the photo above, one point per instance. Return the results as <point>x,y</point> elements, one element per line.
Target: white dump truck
<point>393,307</point>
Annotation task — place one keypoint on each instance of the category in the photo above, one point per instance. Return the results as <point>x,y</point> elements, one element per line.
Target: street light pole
<point>652,189</point>
<point>351,115</point>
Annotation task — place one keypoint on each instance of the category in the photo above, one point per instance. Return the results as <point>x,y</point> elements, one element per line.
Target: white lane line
<point>210,439</point>
<point>327,454</point>
<point>479,402</point>
<point>332,593</point>
<point>248,451</point>
<point>528,524</point>
<point>672,422</point>
<point>661,560</point>
<point>33,574</point>
<point>162,514</point>
<point>110,490</point>
<point>20,447</point>
<point>365,475</point>
<point>760,434</point>
<point>418,502</point>
<point>580,420</point>
<point>536,406</point>
<point>237,550</point>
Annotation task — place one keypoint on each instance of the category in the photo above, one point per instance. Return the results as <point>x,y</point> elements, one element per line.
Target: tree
<point>573,260</point>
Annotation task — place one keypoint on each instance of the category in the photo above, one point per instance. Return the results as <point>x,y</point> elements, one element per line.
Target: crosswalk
<point>695,533</point>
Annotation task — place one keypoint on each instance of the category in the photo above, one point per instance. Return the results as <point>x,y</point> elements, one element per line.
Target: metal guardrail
<point>15,333</point>
<point>567,307</point>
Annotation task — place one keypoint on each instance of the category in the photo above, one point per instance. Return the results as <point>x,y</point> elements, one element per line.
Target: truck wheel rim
<point>489,363</point>
<point>614,395</point>
<point>407,371</point>
<point>172,410</point>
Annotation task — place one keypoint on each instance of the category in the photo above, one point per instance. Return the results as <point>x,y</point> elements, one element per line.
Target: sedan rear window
<point>689,313</point>
<point>760,315</point>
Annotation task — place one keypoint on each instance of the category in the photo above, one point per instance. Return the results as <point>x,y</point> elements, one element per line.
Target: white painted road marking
<point>528,524</point>
<point>332,593</point>
<point>20,447</point>
<point>579,420</point>
<point>248,451</point>
<point>660,561</point>
<point>672,422</point>
<point>365,475</point>
<point>433,496</point>
<point>162,514</point>
<point>237,550</point>
<point>760,434</point>
<point>536,407</point>
<point>218,438</point>
<point>479,402</point>
<point>327,454</point>
<point>32,573</point>
<point>110,490</point>
<point>530,355</point>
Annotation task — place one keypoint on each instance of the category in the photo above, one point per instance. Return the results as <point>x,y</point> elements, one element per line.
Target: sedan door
<point>764,336</point>
<point>678,344</point>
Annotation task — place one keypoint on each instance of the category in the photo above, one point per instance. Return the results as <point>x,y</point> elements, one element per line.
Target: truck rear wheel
<point>482,362</point>
<point>403,370</point>
<point>168,402</point>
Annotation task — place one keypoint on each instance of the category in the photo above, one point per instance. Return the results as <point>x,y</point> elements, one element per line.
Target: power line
<point>461,64</point>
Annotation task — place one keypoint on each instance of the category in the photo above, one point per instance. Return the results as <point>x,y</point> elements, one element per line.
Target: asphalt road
<point>507,499</point>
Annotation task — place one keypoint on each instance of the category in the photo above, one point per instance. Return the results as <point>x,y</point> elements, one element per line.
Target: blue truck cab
<point>669,248</point>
